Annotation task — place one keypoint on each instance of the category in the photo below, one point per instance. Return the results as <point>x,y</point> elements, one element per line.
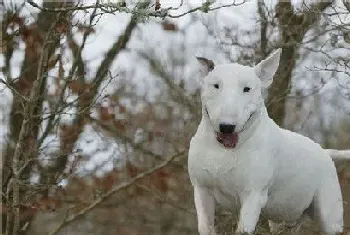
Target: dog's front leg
<point>252,203</point>
<point>205,207</point>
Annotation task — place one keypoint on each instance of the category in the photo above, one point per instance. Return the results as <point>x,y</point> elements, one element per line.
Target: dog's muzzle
<point>228,140</point>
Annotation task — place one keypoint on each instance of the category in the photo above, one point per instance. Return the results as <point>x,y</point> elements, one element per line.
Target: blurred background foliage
<point>99,100</point>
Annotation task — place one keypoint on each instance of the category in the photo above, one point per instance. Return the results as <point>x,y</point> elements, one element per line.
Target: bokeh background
<point>99,101</point>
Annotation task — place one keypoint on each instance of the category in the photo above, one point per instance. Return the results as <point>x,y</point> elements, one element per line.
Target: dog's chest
<point>212,168</point>
<point>226,171</point>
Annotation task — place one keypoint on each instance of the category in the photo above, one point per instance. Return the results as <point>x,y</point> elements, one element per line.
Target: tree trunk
<point>34,37</point>
<point>293,27</point>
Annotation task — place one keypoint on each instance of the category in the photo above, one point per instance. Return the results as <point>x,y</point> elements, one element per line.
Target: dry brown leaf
<point>168,26</point>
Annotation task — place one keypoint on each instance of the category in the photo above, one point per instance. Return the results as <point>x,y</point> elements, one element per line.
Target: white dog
<point>242,160</point>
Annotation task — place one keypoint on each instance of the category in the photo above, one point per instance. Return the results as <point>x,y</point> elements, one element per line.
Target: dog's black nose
<point>227,128</point>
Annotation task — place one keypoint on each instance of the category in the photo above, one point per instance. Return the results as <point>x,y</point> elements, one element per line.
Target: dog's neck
<point>256,124</point>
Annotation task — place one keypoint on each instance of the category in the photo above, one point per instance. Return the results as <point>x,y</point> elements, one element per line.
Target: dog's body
<point>260,168</point>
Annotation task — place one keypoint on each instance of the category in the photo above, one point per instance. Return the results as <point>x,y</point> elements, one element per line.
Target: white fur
<point>339,154</point>
<point>271,171</point>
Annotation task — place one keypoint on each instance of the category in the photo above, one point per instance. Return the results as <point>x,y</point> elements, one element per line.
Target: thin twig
<point>118,8</point>
<point>14,90</point>
<point>28,112</point>
<point>76,62</point>
<point>200,8</point>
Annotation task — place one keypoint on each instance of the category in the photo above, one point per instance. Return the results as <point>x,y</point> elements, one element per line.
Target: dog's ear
<point>207,65</point>
<point>267,68</point>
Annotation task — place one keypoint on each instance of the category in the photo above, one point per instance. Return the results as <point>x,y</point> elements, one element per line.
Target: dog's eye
<point>216,86</point>
<point>246,89</point>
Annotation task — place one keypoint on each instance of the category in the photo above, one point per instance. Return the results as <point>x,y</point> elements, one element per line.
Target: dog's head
<point>232,94</point>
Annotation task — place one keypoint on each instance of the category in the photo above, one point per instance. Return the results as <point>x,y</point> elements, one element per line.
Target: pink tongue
<point>228,140</point>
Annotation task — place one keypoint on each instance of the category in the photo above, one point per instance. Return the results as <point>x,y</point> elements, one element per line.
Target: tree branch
<point>115,189</point>
<point>25,128</point>
<point>176,92</point>
<point>86,99</point>
<point>78,64</point>
<point>263,29</point>
<point>112,8</point>
<point>293,27</point>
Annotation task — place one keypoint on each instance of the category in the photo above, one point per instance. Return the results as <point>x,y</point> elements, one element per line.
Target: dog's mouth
<point>228,140</point>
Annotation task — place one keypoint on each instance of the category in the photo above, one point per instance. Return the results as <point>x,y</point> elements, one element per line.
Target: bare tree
<point>141,186</point>
<point>293,27</point>
<point>36,114</point>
